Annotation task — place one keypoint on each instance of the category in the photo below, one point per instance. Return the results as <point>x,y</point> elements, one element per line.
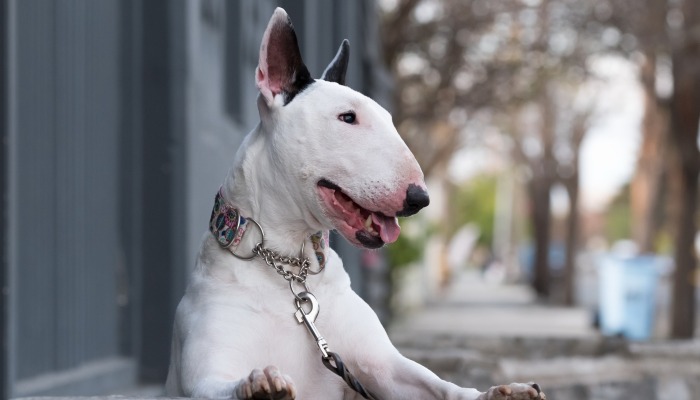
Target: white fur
<point>238,315</point>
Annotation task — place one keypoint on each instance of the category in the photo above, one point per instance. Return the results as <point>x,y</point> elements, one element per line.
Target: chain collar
<point>277,262</point>
<point>228,227</point>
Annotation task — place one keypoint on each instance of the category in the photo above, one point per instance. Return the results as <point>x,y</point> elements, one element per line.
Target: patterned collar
<point>228,227</point>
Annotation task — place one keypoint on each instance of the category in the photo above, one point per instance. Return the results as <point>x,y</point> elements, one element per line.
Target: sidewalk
<point>473,307</point>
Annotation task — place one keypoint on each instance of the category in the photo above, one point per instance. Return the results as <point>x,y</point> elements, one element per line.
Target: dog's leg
<point>409,380</point>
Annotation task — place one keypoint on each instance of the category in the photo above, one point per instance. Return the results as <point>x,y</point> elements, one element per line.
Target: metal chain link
<point>276,261</point>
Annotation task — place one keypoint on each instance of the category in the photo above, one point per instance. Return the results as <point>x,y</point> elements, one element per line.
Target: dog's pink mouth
<point>361,226</point>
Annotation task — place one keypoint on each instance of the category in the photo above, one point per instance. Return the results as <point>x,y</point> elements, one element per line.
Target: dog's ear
<point>335,71</point>
<point>281,71</point>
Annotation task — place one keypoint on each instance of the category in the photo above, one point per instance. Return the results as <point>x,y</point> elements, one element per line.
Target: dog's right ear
<point>281,70</point>
<point>335,71</point>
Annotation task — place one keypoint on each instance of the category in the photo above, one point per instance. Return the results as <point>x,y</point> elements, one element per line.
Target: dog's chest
<point>247,321</point>
<point>276,338</point>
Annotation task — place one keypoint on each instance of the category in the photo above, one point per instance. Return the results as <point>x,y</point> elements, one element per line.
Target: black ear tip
<point>335,72</point>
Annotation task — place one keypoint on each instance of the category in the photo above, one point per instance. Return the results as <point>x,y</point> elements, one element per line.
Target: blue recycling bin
<point>627,295</point>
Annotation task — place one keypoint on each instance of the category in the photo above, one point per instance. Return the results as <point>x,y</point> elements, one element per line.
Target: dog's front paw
<point>267,384</point>
<point>514,391</point>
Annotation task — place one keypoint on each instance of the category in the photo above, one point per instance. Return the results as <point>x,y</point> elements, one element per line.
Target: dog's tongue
<point>389,228</point>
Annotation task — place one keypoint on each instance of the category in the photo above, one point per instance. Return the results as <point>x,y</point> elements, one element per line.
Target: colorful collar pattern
<point>228,227</point>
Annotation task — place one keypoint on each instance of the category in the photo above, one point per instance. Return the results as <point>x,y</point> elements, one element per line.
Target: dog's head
<point>338,151</point>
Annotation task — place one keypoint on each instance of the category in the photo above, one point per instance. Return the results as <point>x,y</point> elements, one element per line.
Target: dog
<point>322,157</point>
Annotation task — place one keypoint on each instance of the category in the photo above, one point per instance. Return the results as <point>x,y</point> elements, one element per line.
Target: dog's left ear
<point>335,72</point>
<point>281,70</point>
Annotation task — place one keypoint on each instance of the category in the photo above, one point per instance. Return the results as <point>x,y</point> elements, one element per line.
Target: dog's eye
<point>348,117</point>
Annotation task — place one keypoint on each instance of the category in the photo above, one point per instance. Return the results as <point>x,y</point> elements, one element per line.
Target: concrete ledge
<point>100,398</point>
<point>93,398</point>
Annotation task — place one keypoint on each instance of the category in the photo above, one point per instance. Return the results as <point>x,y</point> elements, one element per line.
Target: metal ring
<point>301,252</point>
<point>296,295</point>
<point>311,271</point>
<point>320,269</point>
<point>262,241</point>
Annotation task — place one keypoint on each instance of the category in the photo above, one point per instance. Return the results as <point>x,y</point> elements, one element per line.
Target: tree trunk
<point>685,106</point>
<point>543,170</point>
<point>541,217</point>
<point>683,322</point>
<point>572,222</point>
<point>645,193</point>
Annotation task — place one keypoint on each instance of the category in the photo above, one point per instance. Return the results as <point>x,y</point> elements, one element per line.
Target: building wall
<point>63,181</point>
<point>121,119</point>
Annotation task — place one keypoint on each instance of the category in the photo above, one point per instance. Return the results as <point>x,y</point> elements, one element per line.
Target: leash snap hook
<point>301,315</point>
<point>309,318</point>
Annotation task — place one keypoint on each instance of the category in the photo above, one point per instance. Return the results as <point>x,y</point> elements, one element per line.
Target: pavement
<point>472,306</point>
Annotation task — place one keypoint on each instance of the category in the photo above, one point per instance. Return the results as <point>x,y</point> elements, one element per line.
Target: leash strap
<point>308,318</point>
<point>342,371</point>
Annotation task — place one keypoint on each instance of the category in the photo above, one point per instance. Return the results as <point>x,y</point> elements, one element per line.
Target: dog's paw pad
<point>267,384</point>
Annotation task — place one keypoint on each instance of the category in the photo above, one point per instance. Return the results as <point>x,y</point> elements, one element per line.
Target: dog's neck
<point>253,187</point>
<point>230,227</point>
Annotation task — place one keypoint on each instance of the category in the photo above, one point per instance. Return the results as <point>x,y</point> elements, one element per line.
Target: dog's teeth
<point>368,223</point>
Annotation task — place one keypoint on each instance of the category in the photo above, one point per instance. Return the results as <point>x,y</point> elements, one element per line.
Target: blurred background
<point>559,139</point>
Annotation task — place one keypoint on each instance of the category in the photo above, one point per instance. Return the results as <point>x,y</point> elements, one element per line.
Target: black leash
<point>342,371</point>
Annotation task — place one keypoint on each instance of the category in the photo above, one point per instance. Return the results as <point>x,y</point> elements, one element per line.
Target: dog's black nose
<point>416,198</point>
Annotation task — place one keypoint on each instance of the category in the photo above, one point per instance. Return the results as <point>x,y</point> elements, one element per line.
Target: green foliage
<point>663,243</point>
<point>618,217</point>
<point>475,203</point>
<point>408,248</point>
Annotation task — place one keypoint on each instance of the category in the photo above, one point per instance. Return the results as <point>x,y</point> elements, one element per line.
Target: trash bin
<point>627,295</point>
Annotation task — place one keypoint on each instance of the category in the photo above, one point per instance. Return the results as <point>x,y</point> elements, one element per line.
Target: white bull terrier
<point>323,157</point>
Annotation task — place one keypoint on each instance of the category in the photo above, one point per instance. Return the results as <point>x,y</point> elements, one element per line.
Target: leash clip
<point>309,318</point>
